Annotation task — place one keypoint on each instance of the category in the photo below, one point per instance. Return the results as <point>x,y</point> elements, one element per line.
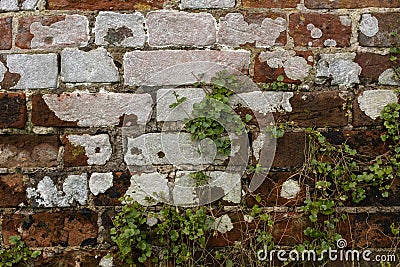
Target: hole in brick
<point>161,154</point>
<point>97,150</point>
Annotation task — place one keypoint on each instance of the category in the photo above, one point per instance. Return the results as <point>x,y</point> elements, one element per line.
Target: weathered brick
<point>295,66</point>
<point>83,150</point>
<point>45,229</point>
<point>121,183</point>
<point>179,67</point>
<point>52,32</point>
<point>265,30</point>
<point>167,28</point>
<point>68,257</point>
<point>270,3</point>
<point>90,110</point>
<point>12,190</point>
<point>95,66</point>
<point>12,110</point>
<point>16,5</point>
<point>308,29</point>
<point>207,3</point>
<point>328,4</point>
<point>375,67</point>
<point>376,29</point>
<point>289,151</point>
<point>23,71</point>
<point>368,105</point>
<point>316,109</point>
<point>125,30</point>
<point>339,69</point>
<point>5,33</point>
<point>105,4</point>
<point>28,151</point>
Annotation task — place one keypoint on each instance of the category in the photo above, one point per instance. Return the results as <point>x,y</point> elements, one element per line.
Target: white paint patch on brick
<point>180,67</point>
<point>223,224</point>
<point>148,186</point>
<point>37,70</point>
<point>118,29</point>
<point>167,28</point>
<point>290,189</point>
<point>95,66</point>
<point>73,31</point>
<point>168,148</point>
<point>369,25</point>
<point>166,97</point>
<point>3,71</point>
<point>13,5</point>
<point>235,31</point>
<point>106,261</point>
<point>102,109</point>
<point>345,20</point>
<point>47,195</point>
<point>372,102</point>
<point>207,3</point>
<point>330,43</point>
<point>340,67</point>
<point>100,182</point>
<point>316,33</point>
<point>388,78</point>
<point>264,102</point>
<point>97,147</point>
<point>295,67</point>
<point>258,145</point>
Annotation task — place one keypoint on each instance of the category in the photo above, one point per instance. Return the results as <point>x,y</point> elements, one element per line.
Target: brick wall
<point>73,73</point>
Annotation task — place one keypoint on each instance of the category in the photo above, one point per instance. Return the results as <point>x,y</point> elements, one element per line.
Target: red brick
<point>121,183</point>
<point>320,4</point>
<point>45,229</point>
<point>70,258</point>
<point>12,190</point>
<point>5,33</point>
<point>105,4</point>
<point>73,155</point>
<point>43,116</point>
<point>388,24</point>
<point>289,151</point>
<point>316,109</point>
<point>12,110</point>
<point>330,25</point>
<point>28,151</point>
<point>266,74</point>
<point>270,3</point>
<point>373,65</point>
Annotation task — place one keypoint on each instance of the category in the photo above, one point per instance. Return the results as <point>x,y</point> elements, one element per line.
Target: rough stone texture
<point>5,33</point>
<point>290,189</point>
<point>372,102</point>
<point>339,67</point>
<point>95,110</point>
<point>375,66</point>
<point>24,71</point>
<point>95,66</point>
<point>47,195</point>
<point>179,67</point>
<point>121,183</point>
<point>166,97</point>
<point>168,28</point>
<point>316,29</point>
<point>28,151</point>
<point>316,109</point>
<point>270,3</point>
<point>45,229</point>
<point>289,151</point>
<point>328,4</point>
<point>97,148</point>
<point>266,32</point>
<point>207,3</point>
<point>12,190</point>
<point>264,102</point>
<point>13,110</point>
<point>105,4</point>
<point>16,5</point>
<point>116,29</point>
<point>168,148</point>
<point>376,29</point>
<point>100,182</point>
<point>295,66</point>
<point>52,32</point>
